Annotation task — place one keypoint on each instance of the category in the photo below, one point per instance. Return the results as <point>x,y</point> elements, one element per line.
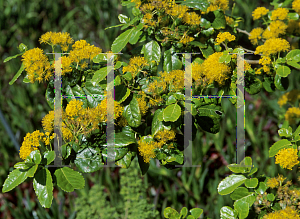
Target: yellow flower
<point>291,96</point>
<point>137,3</point>
<point>31,143</point>
<point>286,213</point>
<point>272,183</point>
<point>74,108</point>
<point>292,114</point>
<point>247,66</point>
<point>66,133</point>
<point>287,158</point>
<point>217,4</point>
<point>165,135</point>
<point>147,7</point>
<point>296,6</point>
<point>280,14</point>
<point>264,60</point>
<point>122,122</point>
<point>275,29</point>
<point>142,105</point>
<point>191,18</point>
<point>48,122</point>
<point>146,150</point>
<point>62,39</point>
<point>224,37</point>
<point>36,65</point>
<point>186,39</point>
<point>136,64</point>
<point>177,11</point>
<point>255,35</point>
<point>273,46</point>
<point>259,12</point>
<point>229,20</point>
<point>66,61</point>
<point>280,178</point>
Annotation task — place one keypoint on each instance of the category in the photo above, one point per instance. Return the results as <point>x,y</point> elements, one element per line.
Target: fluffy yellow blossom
<point>36,65</point>
<point>291,114</point>
<point>217,4</point>
<point>48,122</point>
<point>101,110</point>
<point>146,150</point>
<point>66,133</point>
<point>165,135</point>
<point>275,29</point>
<point>291,97</point>
<point>255,35</point>
<point>287,158</point>
<point>122,121</point>
<point>177,11</point>
<point>31,143</point>
<point>137,3</point>
<point>213,70</point>
<point>74,108</point>
<point>66,62</point>
<point>272,183</point>
<point>186,39</point>
<point>286,213</point>
<point>229,20</point>
<point>280,178</point>
<point>259,12</point>
<point>191,18</point>
<point>136,64</point>
<point>62,39</point>
<point>296,6</point>
<point>148,20</point>
<point>155,101</point>
<point>280,14</point>
<point>142,105</point>
<point>247,66</point>
<point>198,75</point>
<point>224,37</point>
<point>273,46</point>
<point>147,7</point>
<point>264,60</point>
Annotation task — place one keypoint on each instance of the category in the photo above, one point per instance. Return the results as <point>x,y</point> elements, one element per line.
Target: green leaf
<point>283,71</point>
<point>43,187</point>
<point>171,213</point>
<point>100,75</point>
<point>171,61</point>
<point>171,99</point>
<point>202,5</point>
<point>207,52</point>
<point>125,161</point>
<point>49,156</point>
<point>208,117</point>
<point>13,57</point>
<point>17,75</point>
<point>36,156</point>
<point>123,19</point>
<point>220,21</point>
<point>50,96</point>
<point>230,183</point>
<point>225,58</point>
<point>253,85</point>
<point>152,52</point>
<point>22,47</point>
<point>271,197</point>
<point>237,168</point>
<point>135,11</point>
<point>23,165</point>
<point>190,217</point>
<point>15,178</point>
<point>228,213</point>
<point>199,44</point>
<point>262,188</point>
<point>251,183</point>
<point>281,83</point>
<point>293,55</point>
<point>183,212</point>
<point>26,80</point>
<point>242,208</point>
<point>31,171</point>
<point>74,92</point>
<point>277,146</point>
<point>239,193</point>
<point>268,84</point>
<point>128,76</point>
<point>94,94</point>
<point>253,170</point>
<point>88,160</point>
<point>122,140</point>
<point>196,212</point>
<point>293,16</point>
<point>121,41</point>
<point>172,113</point>
<point>132,113</point>
<point>136,34</point>
<point>208,32</point>
<point>121,93</point>
<point>68,179</point>
<point>283,132</point>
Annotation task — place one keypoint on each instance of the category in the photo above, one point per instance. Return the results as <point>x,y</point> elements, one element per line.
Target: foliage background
<point>24,105</point>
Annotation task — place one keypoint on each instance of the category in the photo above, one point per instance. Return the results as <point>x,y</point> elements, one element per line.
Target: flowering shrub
<point>149,100</point>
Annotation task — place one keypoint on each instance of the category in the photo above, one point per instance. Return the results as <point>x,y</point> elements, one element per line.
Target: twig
<point>253,62</point>
<point>243,31</point>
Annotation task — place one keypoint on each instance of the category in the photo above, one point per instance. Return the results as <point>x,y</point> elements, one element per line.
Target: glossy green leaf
<point>207,52</point>
<point>183,212</point>
<point>123,18</point>
<point>136,34</point>
<point>283,132</point>
<point>208,117</point>
<point>281,83</point>
<point>228,213</point>
<point>251,183</point>
<point>208,32</point>
<point>171,213</point>
<point>132,113</point>
<point>277,146</point>
<point>293,55</point>
<point>94,94</point>
<point>100,75</point>
<point>15,178</point>
<point>293,64</point>
<point>65,151</point>
<point>283,71</point>
<point>88,160</point>
<point>122,140</point>
<point>230,183</point>
<point>171,61</point>
<point>12,57</point>
<point>225,58</point>
<point>271,197</point>
<point>253,170</point>
<point>253,85</point>
<point>293,16</point>
<point>268,84</point>
<point>18,73</point>
<point>220,21</point>
<point>190,217</point>
<point>121,93</point>
<point>152,52</point>
<point>31,171</point>
<point>26,80</point>
<point>43,187</point>
<point>68,179</point>
<point>239,193</point>
<point>121,41</point>
<point>237,168</point>
<point>198,44</point>
<point>242,208</point>
<point>23,165</point>
<point>172,113</point>
<point>36,156</point>
<point>262,188</point>
<point>202,5</point>
<point>196,212</point>
<point>125,161</point>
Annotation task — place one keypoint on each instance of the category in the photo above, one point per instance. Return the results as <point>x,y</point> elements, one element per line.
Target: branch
<point>253,62</point>
<point>243,31</point>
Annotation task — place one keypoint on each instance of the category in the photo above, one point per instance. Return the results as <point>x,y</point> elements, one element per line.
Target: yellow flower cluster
<point>255,35</point>
<point>48,122</point>
<point>122,121</point>
<point>165,135</point>
<point>259,12</point>
<point>136,64</point>
<point>229,20</point>
<point>177,11</point>
<point>224,37</point>
<point>147,19</point>
<point>291,114</point>
<point>286,213</point>
<point>291,97</point>
<point>142,105</point>
<point>217,4</point>
<point>273,46</point>
<point>191,18</point>
<point>147,7</point>
<point>265,61</point>
<point>272,183</point>
<point>62,39</point>
<point>287,158</point>
<point>74,108</point>
<point>296,6</point>
<point>146,150</point>
<point>31,143</point>
<point>279,14</point>
<point>275,29</point>
<point>212,70</point>
<point>36,65</point>
<point>186,39</point>
<point>137,3</point>
<point>101,110</point>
